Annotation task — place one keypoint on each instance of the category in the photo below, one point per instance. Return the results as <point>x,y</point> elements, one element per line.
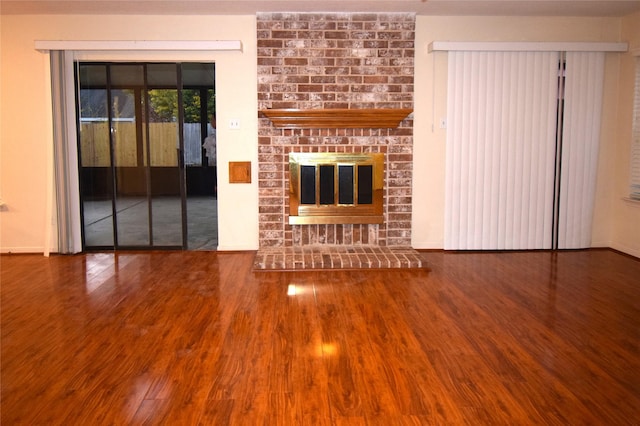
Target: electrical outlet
<point>234,123</point>
<point>443,123</point>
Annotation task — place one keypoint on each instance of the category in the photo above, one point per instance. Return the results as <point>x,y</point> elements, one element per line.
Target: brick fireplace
<point>325,61</point>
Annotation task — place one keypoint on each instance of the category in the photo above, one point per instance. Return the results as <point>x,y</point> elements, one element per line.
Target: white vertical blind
<point>580,142</point>
<point>634,191</point>
<point>67,198</point>
<point>500,150</point>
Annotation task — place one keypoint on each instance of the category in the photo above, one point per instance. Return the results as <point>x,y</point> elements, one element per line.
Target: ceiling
<point>245,7</point>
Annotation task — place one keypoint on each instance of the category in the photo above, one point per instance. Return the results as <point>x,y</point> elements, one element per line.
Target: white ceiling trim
<point>139,45</point>
<point>501,46</point>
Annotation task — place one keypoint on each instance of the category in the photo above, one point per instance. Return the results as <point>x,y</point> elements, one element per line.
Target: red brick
<point>336,105</point>
<point>342,35</point>
<point>322,25</point>
<point>277,105</point>
<point>296,61</point>
<point>337,70</point>
<point>349,25</point>
<point>269,42</point>
<point>310,88</point>
<point>270,61</point>
<point>284,34</point>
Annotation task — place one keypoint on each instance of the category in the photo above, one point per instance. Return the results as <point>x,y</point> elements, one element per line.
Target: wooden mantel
<point>336,118</point>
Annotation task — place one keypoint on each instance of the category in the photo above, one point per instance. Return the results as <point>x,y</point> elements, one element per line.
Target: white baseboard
<point>22,250</point>
<point>427,245</point>
<point>237,248</point>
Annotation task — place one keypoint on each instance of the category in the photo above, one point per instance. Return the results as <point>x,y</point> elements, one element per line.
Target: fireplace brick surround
<point>330,61</point>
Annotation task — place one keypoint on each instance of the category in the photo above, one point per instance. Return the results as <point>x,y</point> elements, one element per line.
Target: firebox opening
<point>336,188</point>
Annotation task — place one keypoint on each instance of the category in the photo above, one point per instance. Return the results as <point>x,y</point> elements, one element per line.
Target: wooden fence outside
<point>94,145</point>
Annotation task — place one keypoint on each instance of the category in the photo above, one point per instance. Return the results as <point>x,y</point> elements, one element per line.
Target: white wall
<point>25,113</point>
<point>625,215</point>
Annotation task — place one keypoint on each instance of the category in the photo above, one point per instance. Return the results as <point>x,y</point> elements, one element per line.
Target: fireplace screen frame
<point>336,213</point>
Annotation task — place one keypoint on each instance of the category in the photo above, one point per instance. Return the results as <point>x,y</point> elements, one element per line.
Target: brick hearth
<point>337,257</point>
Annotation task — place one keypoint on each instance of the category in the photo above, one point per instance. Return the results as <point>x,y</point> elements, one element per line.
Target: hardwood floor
<point>186,338</point>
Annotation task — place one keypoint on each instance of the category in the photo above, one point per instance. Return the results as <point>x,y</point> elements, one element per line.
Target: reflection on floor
<point>166,212</point>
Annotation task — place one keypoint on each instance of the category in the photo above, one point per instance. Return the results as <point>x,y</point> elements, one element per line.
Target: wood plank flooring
<point>187,338</point>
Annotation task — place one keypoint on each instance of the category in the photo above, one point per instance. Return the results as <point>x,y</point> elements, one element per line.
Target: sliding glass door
<point>132,154</point>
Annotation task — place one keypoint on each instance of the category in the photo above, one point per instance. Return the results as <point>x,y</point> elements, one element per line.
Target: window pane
<point>163,133</point>
<point>345,187</point>
<point>94,128</point>
<point>307,185</point>
<point>327,184</point>
<point>365,184</point>
<point>125,136</point>
<point>127,75</point>
<point>95,154</point>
